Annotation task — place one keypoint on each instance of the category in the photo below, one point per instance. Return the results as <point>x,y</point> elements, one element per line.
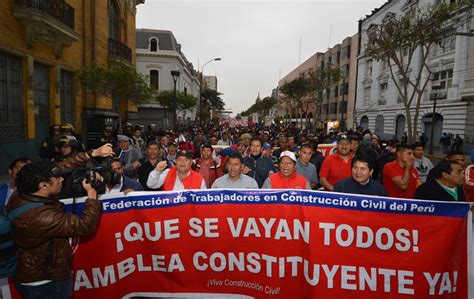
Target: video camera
<point>72,185</point>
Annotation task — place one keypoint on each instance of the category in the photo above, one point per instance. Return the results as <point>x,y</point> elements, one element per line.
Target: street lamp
<point>201,116</point>
<point>175,75</point>
<point>435,89</point>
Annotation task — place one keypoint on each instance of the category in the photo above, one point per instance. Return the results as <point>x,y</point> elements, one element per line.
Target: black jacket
<point>431,190</point>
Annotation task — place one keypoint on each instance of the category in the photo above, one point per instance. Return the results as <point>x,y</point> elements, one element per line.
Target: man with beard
<point>337,166</point>
<point>286,177</point>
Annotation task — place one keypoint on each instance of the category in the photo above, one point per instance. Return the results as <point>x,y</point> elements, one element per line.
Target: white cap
<point>288,154</point>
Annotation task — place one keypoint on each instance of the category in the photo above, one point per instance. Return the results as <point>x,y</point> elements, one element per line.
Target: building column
<point>29,96</point>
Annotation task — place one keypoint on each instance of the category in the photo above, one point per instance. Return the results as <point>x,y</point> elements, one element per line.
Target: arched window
<point>153,45</point>
<point>113,20</point>
<point>379,125</point>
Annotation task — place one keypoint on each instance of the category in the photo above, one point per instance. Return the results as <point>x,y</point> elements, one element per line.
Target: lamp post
<point>201,116</point>
<point>435,89</point>
<point>175,75</point>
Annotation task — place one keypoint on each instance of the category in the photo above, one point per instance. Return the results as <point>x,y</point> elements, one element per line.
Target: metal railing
<point>57,9</point>
<point>119,49</point>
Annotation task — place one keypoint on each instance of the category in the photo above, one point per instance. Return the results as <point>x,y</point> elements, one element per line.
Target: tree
<point>119,82</point>
<point>322,79</point>
<point>211,100</point>
<point>184,102</point>
<point>300,92</point>
<point>265,104</point>
<point>405,42</point>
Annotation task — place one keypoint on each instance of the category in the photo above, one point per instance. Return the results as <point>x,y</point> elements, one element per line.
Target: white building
<point>378,105</point>
<point>157,54</point>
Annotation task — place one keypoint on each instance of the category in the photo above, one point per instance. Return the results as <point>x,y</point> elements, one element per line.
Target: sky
<point>258,41</point>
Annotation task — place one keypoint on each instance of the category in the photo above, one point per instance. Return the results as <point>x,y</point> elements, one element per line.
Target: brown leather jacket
<point>41,236</point>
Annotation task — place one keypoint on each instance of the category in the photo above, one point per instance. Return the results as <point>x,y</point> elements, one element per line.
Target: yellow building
<point>42,44</point>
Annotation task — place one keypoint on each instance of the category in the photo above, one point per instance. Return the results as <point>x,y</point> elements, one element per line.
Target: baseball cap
<point>246,135</point>
<point>187,154</point>
<point>267,146</point>
<point>123,138</point>
<point>288,154</point>
<point>342,137</point>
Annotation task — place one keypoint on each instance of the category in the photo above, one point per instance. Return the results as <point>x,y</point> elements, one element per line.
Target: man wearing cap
<point>207,166</point>
<point>256,165</point>
<point>178,177</point>
<point>287,177</point>
<point>337,166</point>
<point>129,156</point>
<point>235,179</point>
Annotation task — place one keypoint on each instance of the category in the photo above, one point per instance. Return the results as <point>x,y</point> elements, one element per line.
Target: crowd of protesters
<point>275,157</point>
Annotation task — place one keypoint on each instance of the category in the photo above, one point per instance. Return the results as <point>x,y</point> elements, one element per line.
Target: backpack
<point>7,248</point>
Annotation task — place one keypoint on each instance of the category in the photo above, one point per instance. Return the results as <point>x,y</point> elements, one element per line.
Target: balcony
<point>119,52</point>
<point>47,21</point>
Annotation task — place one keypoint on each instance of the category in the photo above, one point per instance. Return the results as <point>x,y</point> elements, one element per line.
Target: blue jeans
<point>57,289</point>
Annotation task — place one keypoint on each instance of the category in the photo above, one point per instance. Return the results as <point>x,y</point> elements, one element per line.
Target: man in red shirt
<point>208,167</point>
<point>337,166</point>
<point>287,177</point>
<point>400,178</point>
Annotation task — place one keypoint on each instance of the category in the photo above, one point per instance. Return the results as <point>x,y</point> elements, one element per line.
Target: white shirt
<point>156,179</point>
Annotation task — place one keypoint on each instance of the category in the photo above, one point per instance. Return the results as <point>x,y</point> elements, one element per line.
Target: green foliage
<point>120,82</point>
<point>183,101</point>
<point>266,103</point>
<point>211,100</point>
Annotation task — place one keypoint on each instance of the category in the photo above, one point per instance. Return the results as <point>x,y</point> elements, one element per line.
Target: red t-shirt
<point>392,170</point>
<point>335,169</point>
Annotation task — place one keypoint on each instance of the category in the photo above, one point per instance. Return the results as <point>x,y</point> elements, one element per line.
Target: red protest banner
<point>275,250</point>
<point>274,244</point>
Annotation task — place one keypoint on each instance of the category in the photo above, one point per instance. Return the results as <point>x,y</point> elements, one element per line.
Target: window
<point>11,108</point>
<point>113,21</point>
<point>443,79</point>
<point>153,45</point>
<point>336,57</point>
<point>344,88</point>
<point>367,95</point>
<point>328,93</point>
<point>326,109</point>
<point>345,70</point>
<point>346,52</point>
<point>343,107</point>
<point>383,89</point>
<point>333,108</point>
<point>336,91</point>
<point>154,79</point>
<point>369,69</point>
<point>185,90</point>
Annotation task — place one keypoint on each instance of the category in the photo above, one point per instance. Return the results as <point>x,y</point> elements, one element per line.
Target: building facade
<point>42,45</point>
<point>379,106</point>
<point>158,53</point>
<point>335,106</point>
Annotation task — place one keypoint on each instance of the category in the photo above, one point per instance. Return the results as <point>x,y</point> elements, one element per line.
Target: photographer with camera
<point>41,233</point>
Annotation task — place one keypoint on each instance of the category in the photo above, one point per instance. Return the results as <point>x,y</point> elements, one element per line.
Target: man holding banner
<point>235,179</point>
<point>178,177</point>
<point>287,177</point>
